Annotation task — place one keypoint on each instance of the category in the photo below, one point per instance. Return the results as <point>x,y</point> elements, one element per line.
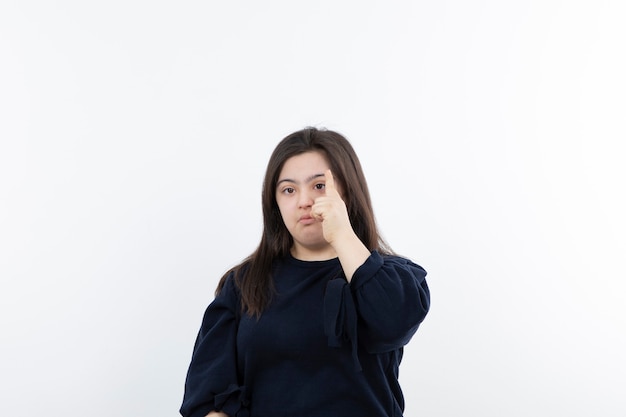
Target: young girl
<point>313,323</point>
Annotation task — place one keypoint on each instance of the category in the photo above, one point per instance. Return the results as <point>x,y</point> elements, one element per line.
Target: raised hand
<point>331,210</point>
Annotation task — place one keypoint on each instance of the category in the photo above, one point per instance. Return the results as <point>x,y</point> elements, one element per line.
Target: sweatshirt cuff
<point>231,401</point>
<point>366,271</point>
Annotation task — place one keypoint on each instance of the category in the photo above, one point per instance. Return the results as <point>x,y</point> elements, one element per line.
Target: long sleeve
<point>212,381</point>
<point>384,304</point>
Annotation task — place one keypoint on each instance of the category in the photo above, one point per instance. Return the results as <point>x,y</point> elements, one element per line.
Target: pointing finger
<point>330,183</point>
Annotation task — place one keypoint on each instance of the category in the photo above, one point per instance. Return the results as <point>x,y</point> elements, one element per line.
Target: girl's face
<point>300,182</point>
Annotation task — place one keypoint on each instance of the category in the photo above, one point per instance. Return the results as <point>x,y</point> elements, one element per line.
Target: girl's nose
<point>305,200</point>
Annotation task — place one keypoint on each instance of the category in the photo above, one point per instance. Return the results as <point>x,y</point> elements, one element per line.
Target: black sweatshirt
<point>323,347</point>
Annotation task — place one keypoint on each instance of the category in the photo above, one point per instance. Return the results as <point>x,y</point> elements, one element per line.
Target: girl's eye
<point>320,186</point>
<point>288,190</point>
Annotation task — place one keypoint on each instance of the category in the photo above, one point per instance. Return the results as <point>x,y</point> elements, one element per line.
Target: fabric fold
<point>340,317</point>
<point>232,401</point>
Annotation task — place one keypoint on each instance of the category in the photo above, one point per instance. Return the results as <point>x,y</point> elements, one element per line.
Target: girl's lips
<point>306,220</point>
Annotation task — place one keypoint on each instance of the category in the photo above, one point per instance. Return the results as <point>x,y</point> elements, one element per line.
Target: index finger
<point>330,182</point>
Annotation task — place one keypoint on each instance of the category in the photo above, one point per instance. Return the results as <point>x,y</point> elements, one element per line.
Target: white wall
<point>133,141</point>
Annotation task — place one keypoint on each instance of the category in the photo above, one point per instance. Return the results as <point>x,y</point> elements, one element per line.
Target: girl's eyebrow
<point>309,179</point>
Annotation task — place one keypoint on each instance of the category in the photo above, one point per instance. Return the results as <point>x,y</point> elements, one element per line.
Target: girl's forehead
<point>304,164</point>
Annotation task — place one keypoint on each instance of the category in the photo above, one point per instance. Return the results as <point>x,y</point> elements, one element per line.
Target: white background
<point>134,137</point>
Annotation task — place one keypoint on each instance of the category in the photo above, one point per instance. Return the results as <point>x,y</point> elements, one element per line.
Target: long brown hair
<point>253,275</point>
